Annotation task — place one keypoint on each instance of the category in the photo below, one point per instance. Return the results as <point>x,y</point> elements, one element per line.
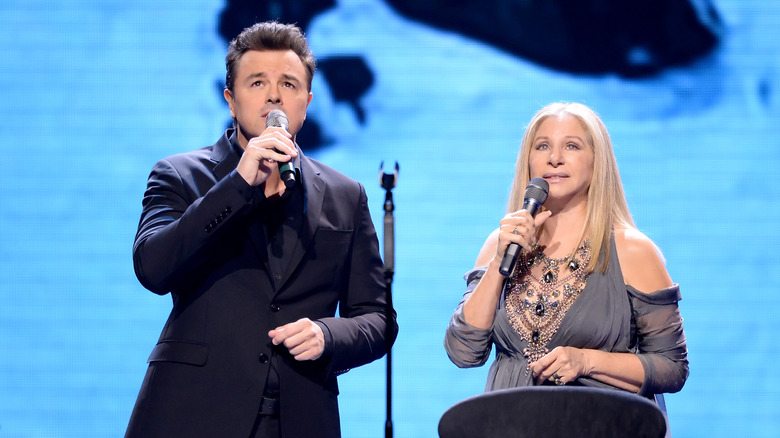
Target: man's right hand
<point>260,158</point>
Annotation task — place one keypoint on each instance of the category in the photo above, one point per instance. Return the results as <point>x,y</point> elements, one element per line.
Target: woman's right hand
<point>520,228</point>
<point>479,309</point>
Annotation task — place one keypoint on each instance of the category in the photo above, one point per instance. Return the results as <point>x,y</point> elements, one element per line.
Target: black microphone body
<point>286,170</point>
<point>535,194</point>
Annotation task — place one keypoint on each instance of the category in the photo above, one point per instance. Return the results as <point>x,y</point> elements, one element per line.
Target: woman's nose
<point>555,156</point>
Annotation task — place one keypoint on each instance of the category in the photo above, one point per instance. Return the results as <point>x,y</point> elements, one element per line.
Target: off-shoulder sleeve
<point>466,345</point>
<point>660,339</point>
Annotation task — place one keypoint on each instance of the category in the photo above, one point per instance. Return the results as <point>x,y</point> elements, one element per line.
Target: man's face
<point>267,80</point>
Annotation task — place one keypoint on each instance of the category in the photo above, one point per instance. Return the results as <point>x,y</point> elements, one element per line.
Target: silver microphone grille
<point>277,118</point>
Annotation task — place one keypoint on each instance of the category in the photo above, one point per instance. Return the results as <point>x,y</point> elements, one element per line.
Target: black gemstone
<point>574,265</point>
<point>548,277</point>
<point>535,336</point>
<point>539,308</point>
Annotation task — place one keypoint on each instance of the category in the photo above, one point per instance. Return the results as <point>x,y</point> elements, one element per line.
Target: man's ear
<point>229,98</point>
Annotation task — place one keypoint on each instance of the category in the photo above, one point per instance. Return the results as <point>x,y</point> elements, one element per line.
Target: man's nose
<point>273,95</point>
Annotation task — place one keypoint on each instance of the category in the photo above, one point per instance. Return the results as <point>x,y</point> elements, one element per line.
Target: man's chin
<point>244,135</point>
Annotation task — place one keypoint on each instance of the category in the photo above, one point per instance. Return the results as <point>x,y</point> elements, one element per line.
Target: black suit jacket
<point>197,239</point>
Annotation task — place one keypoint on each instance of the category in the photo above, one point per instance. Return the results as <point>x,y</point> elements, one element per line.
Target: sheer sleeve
<point>660,340</point>
<point>466,345</point>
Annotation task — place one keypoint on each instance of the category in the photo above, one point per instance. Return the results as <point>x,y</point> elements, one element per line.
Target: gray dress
<point>608,315</point>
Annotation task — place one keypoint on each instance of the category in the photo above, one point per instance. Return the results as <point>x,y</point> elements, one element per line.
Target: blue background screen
<point>95,92</point>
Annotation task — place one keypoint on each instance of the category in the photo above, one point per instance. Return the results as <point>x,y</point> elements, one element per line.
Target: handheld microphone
<point>279,119</point>
<point>535,194</point>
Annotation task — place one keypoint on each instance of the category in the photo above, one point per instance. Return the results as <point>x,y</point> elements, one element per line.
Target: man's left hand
<point>303,339</point>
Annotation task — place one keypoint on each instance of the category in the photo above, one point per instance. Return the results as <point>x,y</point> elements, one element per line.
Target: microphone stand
<point>388,181</point>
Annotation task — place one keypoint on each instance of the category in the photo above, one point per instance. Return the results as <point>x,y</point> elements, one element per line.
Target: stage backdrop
<point>94,92</point>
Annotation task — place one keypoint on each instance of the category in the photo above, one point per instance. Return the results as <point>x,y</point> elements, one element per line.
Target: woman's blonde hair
<point>607,205</point>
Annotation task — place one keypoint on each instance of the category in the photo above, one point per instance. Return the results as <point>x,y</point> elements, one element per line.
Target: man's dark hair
<point>269,35</point>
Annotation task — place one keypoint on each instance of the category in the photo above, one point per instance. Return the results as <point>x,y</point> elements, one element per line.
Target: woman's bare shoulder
<point>641,261</point>
<point>488,251</point>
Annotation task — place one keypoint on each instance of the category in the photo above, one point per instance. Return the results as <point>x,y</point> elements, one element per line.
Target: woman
<point>589,301</point>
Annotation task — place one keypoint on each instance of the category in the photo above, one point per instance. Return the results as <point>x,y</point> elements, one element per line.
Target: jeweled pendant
<point>574,265</point>
<point>535,337</point>
<point>539,308</point>
<point>548,277</point>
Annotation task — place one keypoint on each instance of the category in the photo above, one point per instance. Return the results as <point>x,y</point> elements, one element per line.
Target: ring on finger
<point>515,231</point>
<point>557,379</point>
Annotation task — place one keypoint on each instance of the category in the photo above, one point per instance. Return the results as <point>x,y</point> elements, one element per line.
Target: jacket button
<point>274,307</point>
<point>263,358</point>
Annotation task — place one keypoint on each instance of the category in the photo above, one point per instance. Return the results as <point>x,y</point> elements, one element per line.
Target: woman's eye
<point>541,147</point>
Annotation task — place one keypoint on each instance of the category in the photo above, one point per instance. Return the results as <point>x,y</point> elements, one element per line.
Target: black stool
<point>554,412</point>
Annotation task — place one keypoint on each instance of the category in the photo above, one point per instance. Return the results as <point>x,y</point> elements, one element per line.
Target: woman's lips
<point>555,176</point>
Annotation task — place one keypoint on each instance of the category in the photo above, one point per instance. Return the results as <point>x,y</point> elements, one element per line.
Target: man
<point>257,269</point>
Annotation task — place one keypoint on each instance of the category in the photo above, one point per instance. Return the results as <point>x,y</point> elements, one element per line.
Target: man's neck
<point>274,187</point>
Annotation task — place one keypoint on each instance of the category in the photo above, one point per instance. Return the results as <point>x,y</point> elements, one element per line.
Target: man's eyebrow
<point>287,76</point>
<point>291,77</point>
<point>256,75</point>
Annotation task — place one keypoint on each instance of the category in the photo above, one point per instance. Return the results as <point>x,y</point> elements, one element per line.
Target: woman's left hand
<point>561,366</point>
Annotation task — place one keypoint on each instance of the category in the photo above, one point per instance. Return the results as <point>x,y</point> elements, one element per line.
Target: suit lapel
<point>314,194</point>
<point>223,156</point>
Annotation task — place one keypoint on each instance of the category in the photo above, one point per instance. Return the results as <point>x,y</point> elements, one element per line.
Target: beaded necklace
<point>536,304</point>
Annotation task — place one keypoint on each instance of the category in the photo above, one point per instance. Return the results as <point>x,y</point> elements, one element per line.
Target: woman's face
<point>562,156</point>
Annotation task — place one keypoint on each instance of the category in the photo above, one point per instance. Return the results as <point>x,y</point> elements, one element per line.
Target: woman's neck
<point>562,232</point>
